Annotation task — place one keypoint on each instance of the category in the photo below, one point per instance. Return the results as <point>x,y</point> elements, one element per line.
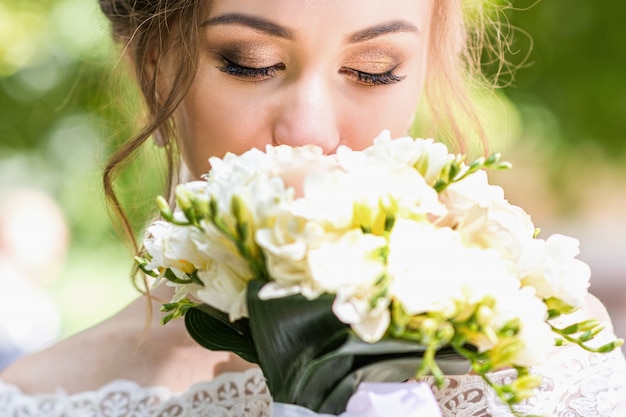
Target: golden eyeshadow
<point>371,60</point>
<point>251,55</point>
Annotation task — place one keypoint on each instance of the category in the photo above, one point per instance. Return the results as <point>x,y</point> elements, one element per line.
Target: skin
<point>327,73</point>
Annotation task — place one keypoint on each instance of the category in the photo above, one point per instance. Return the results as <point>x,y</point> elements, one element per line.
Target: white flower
<point>535,332</point>
<point>368,227</point>
<point>172,246</point>
<point>485,218</point>
<point>254,181</point>
<point>347,262</point>
<point>223,289</point>
<point>432,271</point>
<point>295,164</point>
<point>550,266</point>
<point>329,197</point>
<point>425,155</point>
<point>369,323</point>
<point>471,191</point>
<point>286,246</point>
<point>240,169</point>
<point>222,271</point>
<point>350,266</point>
<point>186,249</point>
<point>530,313</point>
<point>215,247</point>
<point>336,263</point>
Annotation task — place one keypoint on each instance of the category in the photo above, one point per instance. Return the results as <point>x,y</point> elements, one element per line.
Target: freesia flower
<point>551,267</point>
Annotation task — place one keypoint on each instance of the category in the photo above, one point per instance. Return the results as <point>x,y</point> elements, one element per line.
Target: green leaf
<point>341,370</point>
<point>213,330</point>
<point>288,333</point>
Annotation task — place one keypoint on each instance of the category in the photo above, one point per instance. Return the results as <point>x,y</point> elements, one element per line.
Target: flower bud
<point>527,382</point>
<point>445,333</point>
<point>164,208</point>
<point>183,198</point>
<point>504,353</point>
<point>610,346</point>
<point>484,314</point>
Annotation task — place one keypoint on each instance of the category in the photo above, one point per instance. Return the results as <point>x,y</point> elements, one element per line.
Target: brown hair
<point>154,30</point>
<point>150,31</point>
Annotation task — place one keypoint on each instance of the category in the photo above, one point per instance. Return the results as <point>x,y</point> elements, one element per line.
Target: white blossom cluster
<point>370,227</point>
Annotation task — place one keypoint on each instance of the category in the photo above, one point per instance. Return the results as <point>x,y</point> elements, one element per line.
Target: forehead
<point>328,17</point>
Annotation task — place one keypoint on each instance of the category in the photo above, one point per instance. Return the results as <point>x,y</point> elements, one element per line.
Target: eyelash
<point>383,78</point>
<point>240,71</point>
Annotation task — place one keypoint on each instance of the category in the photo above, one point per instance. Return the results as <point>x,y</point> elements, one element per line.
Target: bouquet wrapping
<point>371,265</point>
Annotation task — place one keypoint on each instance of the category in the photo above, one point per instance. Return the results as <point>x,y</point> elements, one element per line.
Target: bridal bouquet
<point>328,270</point>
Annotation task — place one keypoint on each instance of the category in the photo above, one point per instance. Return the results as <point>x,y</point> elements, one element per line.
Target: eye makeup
<point>250,56</point>
<point>373,64</point>
<point>372,79</point>
<point>253,73</point>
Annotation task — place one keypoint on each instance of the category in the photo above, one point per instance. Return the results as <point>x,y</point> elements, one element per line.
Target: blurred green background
<point>65,104</point>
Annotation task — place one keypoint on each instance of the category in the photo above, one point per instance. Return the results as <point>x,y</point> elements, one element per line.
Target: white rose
<point>422,267</point>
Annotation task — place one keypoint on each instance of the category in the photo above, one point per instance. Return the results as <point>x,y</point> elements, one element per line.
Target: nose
<point>307,115</point>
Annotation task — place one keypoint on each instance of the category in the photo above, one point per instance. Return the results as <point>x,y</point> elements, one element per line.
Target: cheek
<point>393,110</point>
<point>212,121</point>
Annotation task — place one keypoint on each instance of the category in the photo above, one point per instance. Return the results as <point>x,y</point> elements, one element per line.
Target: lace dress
<point>575,384</point>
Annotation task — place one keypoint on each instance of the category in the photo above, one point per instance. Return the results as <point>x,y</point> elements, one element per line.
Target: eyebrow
<point>384,28</point>
<point>257,23</point>
<point>266,26</point>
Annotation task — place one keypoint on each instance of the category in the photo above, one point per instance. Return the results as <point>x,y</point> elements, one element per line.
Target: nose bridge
<point>307,114</point>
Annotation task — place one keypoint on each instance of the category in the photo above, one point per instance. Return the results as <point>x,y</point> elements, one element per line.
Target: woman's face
<point>324,72</point>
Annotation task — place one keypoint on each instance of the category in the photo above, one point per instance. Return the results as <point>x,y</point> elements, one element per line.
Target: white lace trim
<point>229,395</point>
<point>575,384</point>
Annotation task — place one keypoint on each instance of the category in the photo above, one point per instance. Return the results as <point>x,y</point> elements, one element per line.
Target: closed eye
<point>370,79</point>
<point>250,73</point>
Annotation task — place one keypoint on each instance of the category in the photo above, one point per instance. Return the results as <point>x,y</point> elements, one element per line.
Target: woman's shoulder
<point>121,348</point>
